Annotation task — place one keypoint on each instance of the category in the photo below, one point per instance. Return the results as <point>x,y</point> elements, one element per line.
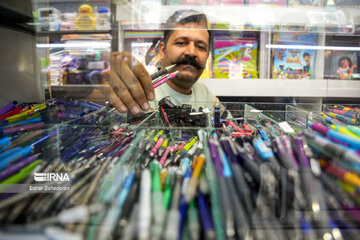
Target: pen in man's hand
<point>162,71</point>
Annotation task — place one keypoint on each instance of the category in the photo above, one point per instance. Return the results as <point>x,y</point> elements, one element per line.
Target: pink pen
<point>178,147</point>
<point>165,79</point>
<point>157,145</point>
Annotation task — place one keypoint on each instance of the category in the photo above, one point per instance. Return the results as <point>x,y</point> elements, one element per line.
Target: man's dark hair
<point>183,17</point>
<point>306,54</point>
<point>347,58</point>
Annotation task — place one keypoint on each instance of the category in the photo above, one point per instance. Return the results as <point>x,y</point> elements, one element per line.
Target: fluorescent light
<point>75,45</point>
<point>313,47</point>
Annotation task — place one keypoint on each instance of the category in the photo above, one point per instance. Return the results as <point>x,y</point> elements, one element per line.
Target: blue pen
<point>125,189</point>
<point>86,105</point>
<point>8,153</point>
<point>240,216</point>
<point>5,143</point>
<point>117,183</point>
<point>205,216</point>
<point>22,152</point>
<point>183,202</point>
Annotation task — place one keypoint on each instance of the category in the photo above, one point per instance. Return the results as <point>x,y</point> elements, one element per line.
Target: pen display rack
<point>247,177</point>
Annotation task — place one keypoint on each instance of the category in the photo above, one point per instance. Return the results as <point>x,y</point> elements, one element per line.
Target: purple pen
<point>8,107</point>
<point>22,128</point>
<point>287,143</point>
<point>303,159</point>
<point>14,168</point>
<point>215,156</point>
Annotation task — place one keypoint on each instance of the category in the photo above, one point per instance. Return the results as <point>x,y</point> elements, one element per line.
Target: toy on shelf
<point>48,19</point>
<point>86,20</point>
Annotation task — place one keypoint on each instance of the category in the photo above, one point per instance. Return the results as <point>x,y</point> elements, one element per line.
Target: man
<point>186,43</point>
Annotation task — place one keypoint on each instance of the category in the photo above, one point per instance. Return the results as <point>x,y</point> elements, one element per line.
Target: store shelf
<point>238,15</point>
<point>267,87</point>
<point>60,33</point>
<point>343,88</point>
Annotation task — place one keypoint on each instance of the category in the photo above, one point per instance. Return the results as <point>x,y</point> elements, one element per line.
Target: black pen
<point>161,72</point>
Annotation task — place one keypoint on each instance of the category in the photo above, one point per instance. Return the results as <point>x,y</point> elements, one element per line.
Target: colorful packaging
<point>225,2</point>
<point>293,64</point>
<point>235,58</point>
<point>342,65</point>
<point>308,3</point>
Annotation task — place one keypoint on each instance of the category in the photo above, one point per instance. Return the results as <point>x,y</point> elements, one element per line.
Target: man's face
<point>188,47</point>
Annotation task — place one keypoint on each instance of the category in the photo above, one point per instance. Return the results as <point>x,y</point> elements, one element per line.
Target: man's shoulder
<point>200,87</point>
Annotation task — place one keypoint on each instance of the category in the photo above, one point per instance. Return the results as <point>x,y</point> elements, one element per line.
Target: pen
<point>182,152</point>
<point>129,231</point>
<point>164,157</point>
<point>353,129</point>
<point>173,217</point>
<point>344,113</point>
<point>183,204</point>
<point>161,72</point>
<point>163,147</point>
<point>145,205</point>
<point>344,130</point>
<point>238,174</point>
<point>194,222</point>
<point>10,113</point>
<point>158,210</point>
<point>194,181</point>
<point>223,191</point>
<point>165,79</point>
<point>345,119</point>
<point>153,141</point>
<point>22,128</point>
<point>331,149</point>
<point>217,216</point>
<point>240,215</point>
<point>8,107</point>
<point>205,216</point>
<point>16,167</point>
<point>340,173</point>
<point>327,132</point>
<point>159,142</point>
<point>168,188</point>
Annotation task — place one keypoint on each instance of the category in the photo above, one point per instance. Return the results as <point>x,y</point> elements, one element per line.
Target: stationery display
<point>75,169</point>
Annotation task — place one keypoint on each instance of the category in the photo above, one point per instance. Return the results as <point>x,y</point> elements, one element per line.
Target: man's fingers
<point>114,100</point>
<point>123,93</point>
<point>138,69</point>
<point>134,86</point>
<point>145,81</point>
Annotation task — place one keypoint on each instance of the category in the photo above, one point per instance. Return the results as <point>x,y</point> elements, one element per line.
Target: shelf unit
<point>327,21</point>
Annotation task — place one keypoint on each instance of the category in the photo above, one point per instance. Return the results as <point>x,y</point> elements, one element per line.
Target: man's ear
<point>162,50</point>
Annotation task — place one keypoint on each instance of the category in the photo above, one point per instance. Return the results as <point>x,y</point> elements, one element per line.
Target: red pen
<point>11,113</point>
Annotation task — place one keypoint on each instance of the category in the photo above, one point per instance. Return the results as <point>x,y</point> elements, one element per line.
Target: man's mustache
<point>189,60</point>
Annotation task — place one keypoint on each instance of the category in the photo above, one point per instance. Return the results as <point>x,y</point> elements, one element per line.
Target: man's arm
<point>130,83</point>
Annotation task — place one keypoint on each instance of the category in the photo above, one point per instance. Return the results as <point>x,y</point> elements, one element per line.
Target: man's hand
<point>131,84</point>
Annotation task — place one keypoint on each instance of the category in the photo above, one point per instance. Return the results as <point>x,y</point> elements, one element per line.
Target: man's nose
<point>190,49</point>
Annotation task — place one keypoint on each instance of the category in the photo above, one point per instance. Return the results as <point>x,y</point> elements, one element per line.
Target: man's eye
<point>180,43</point>
<point>202,48</point>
